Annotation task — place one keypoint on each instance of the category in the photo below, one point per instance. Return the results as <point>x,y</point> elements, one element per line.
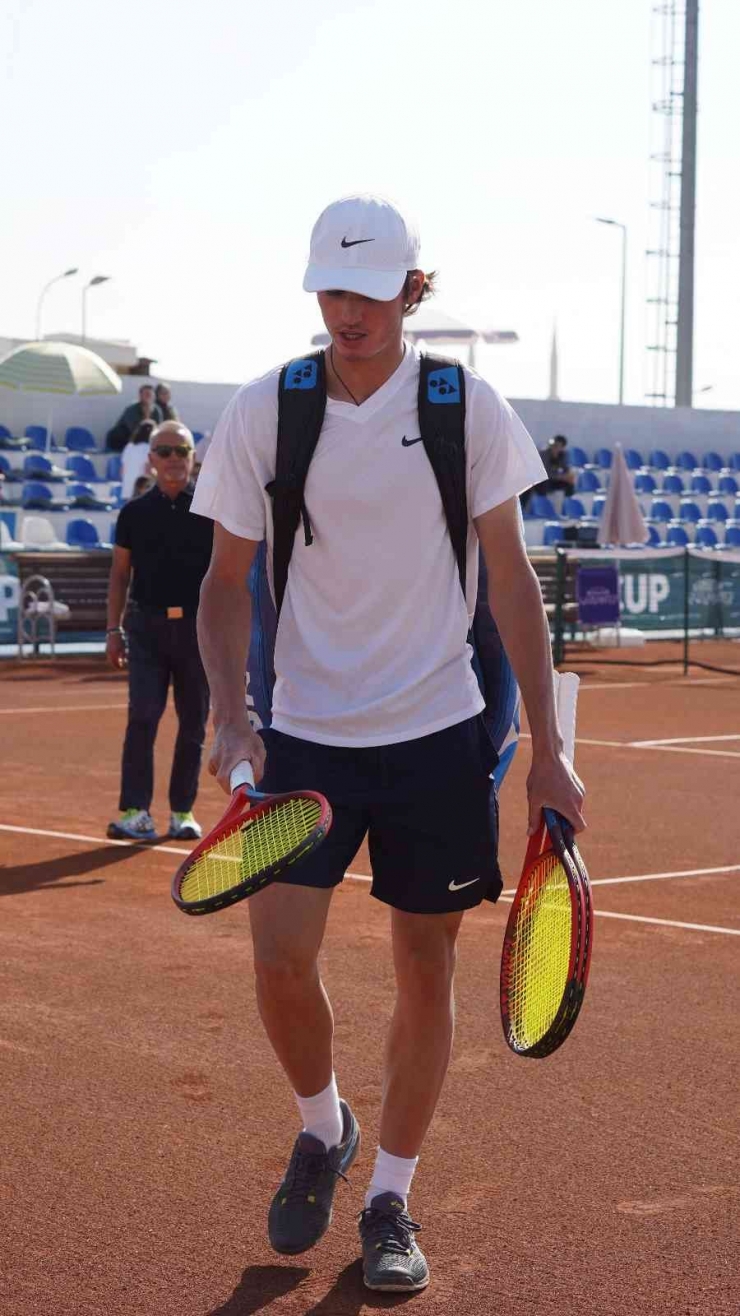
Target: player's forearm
<point>117,595</point>
<point>224,627</point>
<point>516,603</point>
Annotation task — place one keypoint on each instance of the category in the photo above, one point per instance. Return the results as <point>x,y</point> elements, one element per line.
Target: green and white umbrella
<point>50,367</point>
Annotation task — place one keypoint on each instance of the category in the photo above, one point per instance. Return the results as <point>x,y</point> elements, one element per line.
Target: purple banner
<point>597,591</point>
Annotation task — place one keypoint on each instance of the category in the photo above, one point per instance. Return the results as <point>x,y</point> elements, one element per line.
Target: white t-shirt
<point>134,461</point>
<point>372,643</point>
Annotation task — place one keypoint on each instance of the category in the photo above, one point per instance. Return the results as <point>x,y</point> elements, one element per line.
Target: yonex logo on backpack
<point>443,386</point>
<point>302,374</point>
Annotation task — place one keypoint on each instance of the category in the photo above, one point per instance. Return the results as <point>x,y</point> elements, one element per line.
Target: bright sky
<point>185,150</point>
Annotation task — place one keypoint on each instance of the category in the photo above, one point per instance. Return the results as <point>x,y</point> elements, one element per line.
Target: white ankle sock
<point>391,1174</point>
<point>322,1115</point>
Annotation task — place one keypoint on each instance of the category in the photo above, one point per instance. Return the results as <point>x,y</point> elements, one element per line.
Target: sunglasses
<point>167,449</point>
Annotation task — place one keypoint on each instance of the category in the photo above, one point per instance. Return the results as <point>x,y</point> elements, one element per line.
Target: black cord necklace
<point>339,377</point>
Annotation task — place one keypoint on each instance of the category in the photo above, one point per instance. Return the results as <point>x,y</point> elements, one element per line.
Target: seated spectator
<point>557,465</point>
<point>163,399</point>
<point>145,409</point>
<point>142,485</point>
<point>135,458</point>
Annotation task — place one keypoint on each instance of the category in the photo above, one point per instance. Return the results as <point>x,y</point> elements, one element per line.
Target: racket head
<point>543,947</point>
<point>257,839</point>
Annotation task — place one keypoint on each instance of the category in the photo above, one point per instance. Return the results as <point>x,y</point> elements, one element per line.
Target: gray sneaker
<point>133,825</point>
<point>301,1209</point>
<point>391,1260</point>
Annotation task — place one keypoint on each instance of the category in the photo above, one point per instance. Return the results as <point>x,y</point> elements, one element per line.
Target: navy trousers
<point>161,651</point>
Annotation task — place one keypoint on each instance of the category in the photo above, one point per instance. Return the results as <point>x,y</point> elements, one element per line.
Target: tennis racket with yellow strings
<point>547,945</point>
<point>259,837</point>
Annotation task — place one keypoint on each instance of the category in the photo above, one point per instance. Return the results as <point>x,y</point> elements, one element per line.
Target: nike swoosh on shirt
<point>458,886</point>
<point>408,443</point>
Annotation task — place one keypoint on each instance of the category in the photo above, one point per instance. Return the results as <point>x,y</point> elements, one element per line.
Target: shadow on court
<point>348,1296</point>
<point>258,1287</point>
<point>33,877</point>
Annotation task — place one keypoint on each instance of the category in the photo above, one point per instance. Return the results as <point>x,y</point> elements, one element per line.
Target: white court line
<point>68,708</point>
<point>684,740</point>
<point>658,748</point>
<point>506,896</point>
<point>653,877</point>
<point>643,918</point>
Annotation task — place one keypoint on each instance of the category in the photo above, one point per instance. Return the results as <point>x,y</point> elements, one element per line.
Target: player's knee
<point>427,971</point>
<point>283,971</point>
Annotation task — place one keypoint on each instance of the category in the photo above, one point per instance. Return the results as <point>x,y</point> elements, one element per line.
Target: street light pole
<point>615,224</point>
<point>99,278</point>
<point>67,274</point>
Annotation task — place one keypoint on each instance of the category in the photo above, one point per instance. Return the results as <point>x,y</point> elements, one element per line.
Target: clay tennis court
<point>145,1123</point>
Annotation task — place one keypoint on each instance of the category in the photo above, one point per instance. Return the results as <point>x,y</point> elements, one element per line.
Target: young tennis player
<point>375,705</point>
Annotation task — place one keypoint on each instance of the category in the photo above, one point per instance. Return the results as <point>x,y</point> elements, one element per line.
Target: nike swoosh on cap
<point>458,886</point>
<point>409,443</point>
<point>355,242</point>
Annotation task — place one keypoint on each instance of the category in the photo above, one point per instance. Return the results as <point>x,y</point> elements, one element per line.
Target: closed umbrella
<point>51,367</point>
<point>621,521</point>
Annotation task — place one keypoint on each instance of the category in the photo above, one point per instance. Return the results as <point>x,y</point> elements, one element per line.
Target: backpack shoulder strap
<point>442,424</point>
<point>301,407</point>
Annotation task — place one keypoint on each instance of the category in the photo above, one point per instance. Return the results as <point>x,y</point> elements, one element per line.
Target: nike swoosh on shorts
<point>458,886</point>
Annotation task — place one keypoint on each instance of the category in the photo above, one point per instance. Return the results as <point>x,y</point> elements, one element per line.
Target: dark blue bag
<point>301,406</point>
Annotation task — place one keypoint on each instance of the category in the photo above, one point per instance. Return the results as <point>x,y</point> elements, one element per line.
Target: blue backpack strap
<point>301,407</point>
<point>442,424</point>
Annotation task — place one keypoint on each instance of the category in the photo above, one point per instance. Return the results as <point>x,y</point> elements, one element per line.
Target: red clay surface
<point>146,1123</point>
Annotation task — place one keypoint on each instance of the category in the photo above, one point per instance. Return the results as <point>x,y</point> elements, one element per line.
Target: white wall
<point>588,424</point>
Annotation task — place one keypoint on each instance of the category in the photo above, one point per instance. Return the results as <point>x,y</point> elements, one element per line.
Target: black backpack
<point>301,407</point>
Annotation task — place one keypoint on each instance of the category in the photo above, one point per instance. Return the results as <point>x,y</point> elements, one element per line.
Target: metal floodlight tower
<point>671,251</point>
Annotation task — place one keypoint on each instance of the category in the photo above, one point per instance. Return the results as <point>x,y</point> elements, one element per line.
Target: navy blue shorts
<point>428,808</point>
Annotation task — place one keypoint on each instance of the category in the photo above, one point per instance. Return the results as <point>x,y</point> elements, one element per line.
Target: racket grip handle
<point>241,775</point>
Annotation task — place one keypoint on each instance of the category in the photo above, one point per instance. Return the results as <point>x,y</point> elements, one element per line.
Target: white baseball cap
<point>361,244</point>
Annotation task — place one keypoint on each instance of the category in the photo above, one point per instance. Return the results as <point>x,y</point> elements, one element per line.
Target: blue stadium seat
<point>573,507</point>
<point>541,505</point>
<point>727,484</point>
<point>686,461</point>
<point>689,511</point>
<point>711,461</point>
<point>645,483</point>
<point>36,495</point>
<point>37,435</point>
<point>81,467</point>
<point>672,484</point>
<point>197,436</point>
<point>716,511</point>
<point>633,459</point>
<point>82,534</point>
<point>577,456</point>
<point>36,466</point>
<point>78,439</point>
<point>659,460</point>
<point>732,536</point>
<point>653,536</point>
<point>603,458</point>
<point>113,467</point>
<point>588,482</point>
<point>676,535</point>
<point>8,471</point>
<point>734,462</point>
<point>706,536</point>
<point>701,484</point>
<point>5,432</point>
<point>597,506</point>
<point>553,533</point>
<point>83,495</point>
<point>660,510</point>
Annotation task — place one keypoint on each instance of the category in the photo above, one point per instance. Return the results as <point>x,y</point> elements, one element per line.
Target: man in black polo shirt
<point>162,552</point>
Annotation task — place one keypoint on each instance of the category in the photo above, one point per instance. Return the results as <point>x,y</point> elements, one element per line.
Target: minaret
<point>553,394</point>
